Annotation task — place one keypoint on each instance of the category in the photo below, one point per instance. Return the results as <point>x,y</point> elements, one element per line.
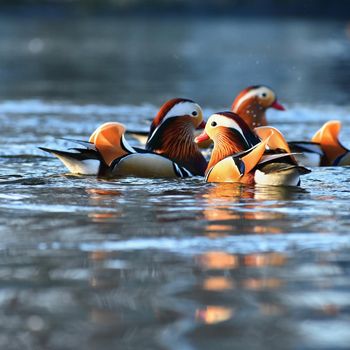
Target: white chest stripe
<point>126,145</point>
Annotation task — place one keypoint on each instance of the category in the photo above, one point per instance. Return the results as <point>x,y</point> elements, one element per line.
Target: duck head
<point>172,134</point>
<point>252,103</point>
<point>230,135</point>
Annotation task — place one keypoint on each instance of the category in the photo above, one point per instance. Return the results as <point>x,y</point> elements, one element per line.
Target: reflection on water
<point>227,203</point>
<point>214,260</point>
<point>155,264</point>
<point>213,314</point>
<point>177,265</point>
<point>217,283</point>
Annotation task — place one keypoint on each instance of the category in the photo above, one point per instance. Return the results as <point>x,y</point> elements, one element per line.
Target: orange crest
<point>108,139</point>
<point>328,138</point>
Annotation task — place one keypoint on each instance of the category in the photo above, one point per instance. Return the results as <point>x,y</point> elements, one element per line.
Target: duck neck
<point>251,112</point>
<point>177,143</point>
<point>225,145</point>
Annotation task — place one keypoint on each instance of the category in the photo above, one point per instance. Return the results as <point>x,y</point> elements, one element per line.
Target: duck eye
<point>213,124</point>
<point>194,113</point>
<point>264,94</point>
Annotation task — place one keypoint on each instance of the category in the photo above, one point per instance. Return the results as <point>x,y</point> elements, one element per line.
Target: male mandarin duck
<point>172,134</point>
<point>171,150</point>
<point>324,149</point>
<point>240,156</point>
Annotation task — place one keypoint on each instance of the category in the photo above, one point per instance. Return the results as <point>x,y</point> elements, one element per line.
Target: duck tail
<point>81,161</point>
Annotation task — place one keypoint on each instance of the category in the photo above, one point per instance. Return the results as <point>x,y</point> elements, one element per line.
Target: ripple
<point>35,107</point>
<point>235,244</point>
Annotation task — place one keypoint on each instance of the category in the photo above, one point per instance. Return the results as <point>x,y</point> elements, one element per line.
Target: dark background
<point>147,51</point>
<point>339,9</point>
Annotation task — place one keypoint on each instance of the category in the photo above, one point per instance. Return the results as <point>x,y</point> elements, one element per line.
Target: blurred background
<point>130,264</point>
<point>138,51</point>
<point>307,8</point>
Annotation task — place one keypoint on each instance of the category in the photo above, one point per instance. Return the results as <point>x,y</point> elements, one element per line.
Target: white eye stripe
<point>252,93</point>
<point>182,108</point>
<point>221,120</point>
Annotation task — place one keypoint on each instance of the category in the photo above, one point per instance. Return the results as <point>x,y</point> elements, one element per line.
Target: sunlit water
<point>132,263</point>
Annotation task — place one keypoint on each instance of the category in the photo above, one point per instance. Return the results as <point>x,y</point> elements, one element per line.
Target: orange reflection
<point>213,314</point>
<point>262,283</point>
<point>267,259</point>
<point>99,255</point>
<point>217,260</point>
<point>229,191</point>
<point>103,192</point>
<point>101,197</point>
<point>102,217</point>
<point>219,231</point>
<point>259,229</point>
<point>223,215</point>
<point>217,283</point>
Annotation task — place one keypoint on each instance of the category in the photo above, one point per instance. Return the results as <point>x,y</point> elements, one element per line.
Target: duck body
<point>145,165</point>
<point>269,171</point>
<point>117,159</point>
<point>148,165</point>
<point>239,155</point>
<point>279,172</point>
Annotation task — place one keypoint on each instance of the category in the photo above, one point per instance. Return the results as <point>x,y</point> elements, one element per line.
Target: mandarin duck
<point>324,149</point>
<point>240,155</point>
<point>171,150</point>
